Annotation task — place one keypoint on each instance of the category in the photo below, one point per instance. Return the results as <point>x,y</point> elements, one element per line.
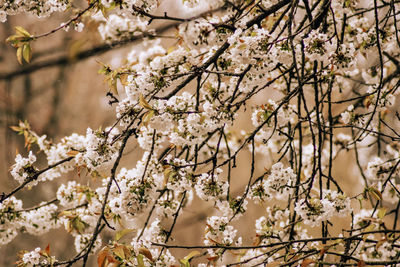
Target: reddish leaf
<point>47,249</point>
<point>361,263</point>
<point>146,252</point>
<point>101,257</point>
<point>214,258</point>
<point>307,262</point>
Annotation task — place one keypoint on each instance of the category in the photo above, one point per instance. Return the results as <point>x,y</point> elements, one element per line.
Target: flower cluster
<point>23,168</point>
<point>219,232</point>
<point>315,210</point>
<point>39,8</point>
<point>10,219</point>
<point>36,257</point>
<point>279,184</point>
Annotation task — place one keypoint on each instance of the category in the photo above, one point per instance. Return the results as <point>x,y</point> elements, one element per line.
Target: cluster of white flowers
<point>154,233</point>
<point>36,257</point>
<point>119,27</point>
<point>272,225</point>
<point>36,221</point>
<point>378,169</point>
<point>180,123</point>
<point>41,220</point>
<point>315,210</point>
<point>10,219</point>
<point>385,249</point>
<point>219,232</point>
<point>101,149</point>
<point>318,46</point>
<point>347,115</point>
<point>271,117</point>
<point>23,168</point>
<point>95,151</point>
<point>138,190</point>
<point>82,241</point>
<point>279,184</point>
<point>177,174</point>
<point>210,187</point>
<point>40,8</point>
<point>73,194</point>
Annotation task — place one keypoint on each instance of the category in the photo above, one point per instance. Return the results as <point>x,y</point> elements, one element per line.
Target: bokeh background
<point>56,101</point>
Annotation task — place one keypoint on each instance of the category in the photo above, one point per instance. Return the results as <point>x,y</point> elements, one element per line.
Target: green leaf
<point>14,40</point>
<point>147,117</point>
<point>16,128</point>
<point>144,103</point>
<point>22,32</point>
<point>191,255</point>
<point>369,228</point>
<point>381,213</point>
<point>375,193</point>
<point>105,69</point>
<point>19,55</point>
<point>185,261</point>
<point>27,52</point>
<point>140,260</point>
<point>77,224</point>
<point>112,82</point>
<point>360,200</point>
<point>119,251</point>
<point>122,233</point>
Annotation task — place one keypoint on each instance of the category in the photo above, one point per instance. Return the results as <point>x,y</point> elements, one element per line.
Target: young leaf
<point>167,173</point>
<point>140,260</point>
<point>375,193</point>
<point>105,258</point>
<point>47,250</point>
<point>101,257</point>
<point>16,128</point>
<point>256,240</point>
<point>147,116</point>
<point>75,47</point>
<point>27,52</point>
<point>144,103</point>
<point>124,78</point>
<point>191,255</point>
<point>370,228</point>
<point>122,233</point>
<point>19,55</point>
<point>381,213</point>
<point>171,49</point>
<point>119,251</point>
<point>146,252</point>
<point>22,32</point>
<point>112,82</point>
<point>185,261</point>
<point>361,263</point>
<point>307,262</point>
<point>379,243</point>
<point>14,40</point>
<point>72,153</point>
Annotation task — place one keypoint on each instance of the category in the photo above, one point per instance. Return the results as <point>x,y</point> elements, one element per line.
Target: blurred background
<point>57,101</point>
